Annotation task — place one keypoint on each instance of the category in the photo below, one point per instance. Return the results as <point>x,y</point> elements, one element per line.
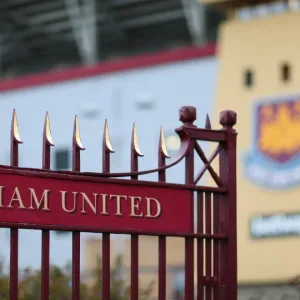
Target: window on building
<point>248,78</point>
<point>285,72</point>
<point>178,285</point>
<point>62,159</point>
<point>144,105</point>
<point>62,233</point>
<point>144,102</point>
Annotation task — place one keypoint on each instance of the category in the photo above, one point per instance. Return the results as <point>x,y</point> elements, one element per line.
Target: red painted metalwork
<point>14,233</point>
<point>139,61</point>
<point>215,232</point>
<point>106,150</point>
<point>162,155</point>
<point>45,263</point>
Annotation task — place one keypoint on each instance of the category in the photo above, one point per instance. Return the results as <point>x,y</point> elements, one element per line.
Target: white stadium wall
<point>146,95</point>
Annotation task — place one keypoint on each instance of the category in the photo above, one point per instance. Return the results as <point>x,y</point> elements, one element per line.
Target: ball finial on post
<point>187,115</point>
<point>228,119</point>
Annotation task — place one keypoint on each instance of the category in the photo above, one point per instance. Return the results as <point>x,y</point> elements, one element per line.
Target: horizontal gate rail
<point>135,207</point>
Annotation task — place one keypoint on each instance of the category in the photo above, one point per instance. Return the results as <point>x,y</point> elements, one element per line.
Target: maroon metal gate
<point>158,208</point>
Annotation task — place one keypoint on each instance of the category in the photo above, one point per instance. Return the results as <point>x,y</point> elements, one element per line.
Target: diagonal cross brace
<point>207,165</point>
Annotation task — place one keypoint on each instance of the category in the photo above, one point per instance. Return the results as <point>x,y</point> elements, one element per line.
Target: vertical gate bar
<point>14,255</point>
<point>135,153</point>
<point>15,140</point>
<point>76,148</point>
<point>208,242</point>
<point>223,247</point>
<point>162,268</point>
<point>106,266</point>
<point>232,216</point>
<point>106,150</point>
<point>162,155</point>
<point>134,267</point>
<point>216,243</point>
<point>45,261</point>
<point>223,244</point>
<point>227,166</point>
<point>189,242</point>
<point>45,265</point>
<point>200,261</point>
<point>189,268</point>
<point>75,265</point>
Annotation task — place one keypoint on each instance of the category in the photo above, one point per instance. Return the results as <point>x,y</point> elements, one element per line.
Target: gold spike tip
<point>107,138</point>
<point>15,128</point>
<point>77,135</point>
<point>48,131</point>
<point>135,142</point>
<point>163,147</point>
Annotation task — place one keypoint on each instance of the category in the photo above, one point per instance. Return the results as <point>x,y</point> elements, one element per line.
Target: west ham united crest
<point>274,158</point>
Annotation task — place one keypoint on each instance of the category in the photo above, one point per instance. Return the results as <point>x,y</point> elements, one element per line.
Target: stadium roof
<point>41,35</point>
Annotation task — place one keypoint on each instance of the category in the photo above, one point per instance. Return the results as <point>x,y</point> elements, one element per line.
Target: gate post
<point>228,210</point>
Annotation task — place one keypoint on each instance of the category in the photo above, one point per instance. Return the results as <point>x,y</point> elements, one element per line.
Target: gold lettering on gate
<point>118,200</point>
<point>44,200</point>
<point>135,206</point>
<point>16,197</point>
<point>85,199</point>
<point>104,204</point>
<point>64,200</point>
<point>84,203</point>
<point>158,208</point>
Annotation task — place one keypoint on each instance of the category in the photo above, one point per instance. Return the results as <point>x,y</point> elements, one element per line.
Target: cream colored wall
<point>148,257</point>
<point>92,252</point>
<point>148,251</point>
<point>260,44</point>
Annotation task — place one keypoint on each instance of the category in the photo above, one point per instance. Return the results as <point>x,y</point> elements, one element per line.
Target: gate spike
<point>76,135</point>
<point>207,122</point>
<point>106,138</point>
<point>15,128</point>
<point>47,131</point>
<point>162,144</point>
<point>134,142</point>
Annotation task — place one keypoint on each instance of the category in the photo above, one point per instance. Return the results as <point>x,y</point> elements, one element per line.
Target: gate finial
<point>15,128</point>
<point>47,131</point>
<point>107,149</point>
<point>47,144</point>
<point>76,135</point>
<point>162,144</point>
<point>76,147</point>
<point>134,142</point>
<point>187,115</point>
<point>106,139</point>
<point>228,119</point>
<point>15,140</point>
